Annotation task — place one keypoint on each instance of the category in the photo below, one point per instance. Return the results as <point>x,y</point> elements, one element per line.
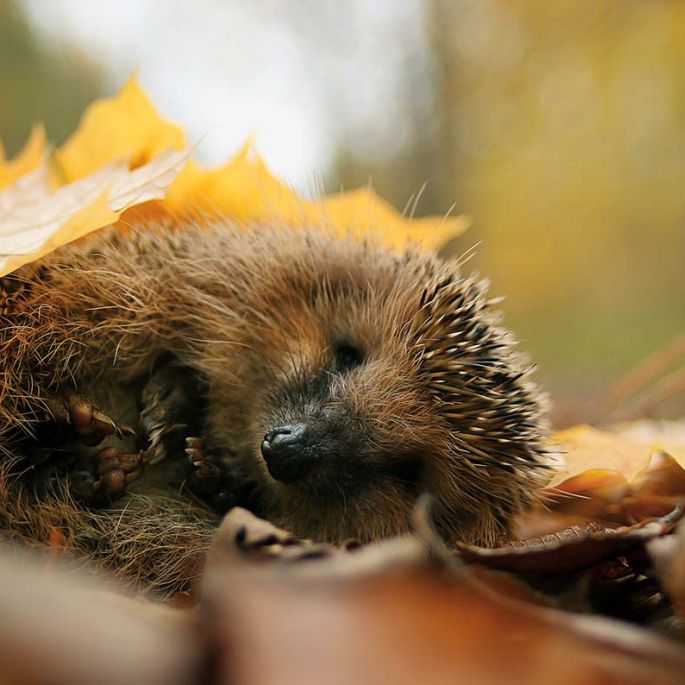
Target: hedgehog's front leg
<point>173,411</point>
<point>70,429</point>
<point>214,475</point>
<point>209,477</point>
<point>172,407</point>
<point>62,425</point>
<point>169,407</point>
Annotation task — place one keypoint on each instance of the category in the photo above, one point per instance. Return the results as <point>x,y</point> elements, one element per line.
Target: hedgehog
<point>151,380</point>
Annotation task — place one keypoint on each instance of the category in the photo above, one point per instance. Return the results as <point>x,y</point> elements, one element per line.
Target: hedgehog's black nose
<point>285,451</point>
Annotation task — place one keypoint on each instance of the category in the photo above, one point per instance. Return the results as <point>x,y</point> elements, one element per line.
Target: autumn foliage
<point>126,163</point>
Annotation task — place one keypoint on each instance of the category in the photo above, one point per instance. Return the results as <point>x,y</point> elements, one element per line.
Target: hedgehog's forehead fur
<point>439,381</point>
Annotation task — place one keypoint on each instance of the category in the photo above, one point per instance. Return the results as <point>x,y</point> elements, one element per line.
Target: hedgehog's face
<point>347,437</point>
<point>358,395</point>
<point>352,421</point>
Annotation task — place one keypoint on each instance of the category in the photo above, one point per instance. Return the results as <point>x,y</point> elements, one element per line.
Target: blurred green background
<point>558,126</point>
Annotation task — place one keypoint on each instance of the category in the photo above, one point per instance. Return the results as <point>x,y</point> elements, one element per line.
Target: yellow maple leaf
<point>33,153</point>
<point>127,131</point>
<point>244,189</point>
<point>364,213</point>
<point>125,127</point>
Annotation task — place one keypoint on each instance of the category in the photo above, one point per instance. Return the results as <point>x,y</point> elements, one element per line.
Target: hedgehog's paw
<point>171,407</point>
<point>105,478</point>
<point>208,476</point>
<point>72,416</point>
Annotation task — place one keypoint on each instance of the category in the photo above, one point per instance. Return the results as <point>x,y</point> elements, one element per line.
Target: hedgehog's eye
<point>347,357</point>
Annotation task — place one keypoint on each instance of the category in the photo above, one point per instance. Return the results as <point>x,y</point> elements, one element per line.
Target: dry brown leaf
<point>612,478</point>
<point>412,625</point>
<point>568,550</point>
<point>60,627</point>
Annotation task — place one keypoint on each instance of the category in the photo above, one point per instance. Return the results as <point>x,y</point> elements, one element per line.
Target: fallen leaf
<point>242,535</point>
<point>125,127</point>
<point>568,550</point>
<point>61,627</point>
<point>584,448</point>
<point>246,190</point>
<point>20,197</point>
<point>593,494</point>
<point>34,222</point>
<point>653,431</point>
<point>126,132</point>
<point>662,476</point>
<point>610,477</point>
<point>365,214</point>
<point>411,624</point>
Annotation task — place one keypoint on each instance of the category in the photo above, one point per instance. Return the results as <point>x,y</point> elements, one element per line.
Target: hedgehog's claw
<point>74,414</point>
<point>195,451</point>
<point>205,466</point>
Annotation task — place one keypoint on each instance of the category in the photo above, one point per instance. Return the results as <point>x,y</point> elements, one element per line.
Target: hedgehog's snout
<point>314,446</point>
<point>286,451</point>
